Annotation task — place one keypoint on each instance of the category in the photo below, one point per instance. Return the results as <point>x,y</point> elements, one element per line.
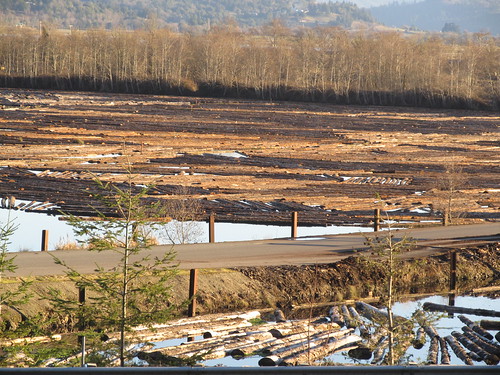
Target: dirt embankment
<point>286,286</point>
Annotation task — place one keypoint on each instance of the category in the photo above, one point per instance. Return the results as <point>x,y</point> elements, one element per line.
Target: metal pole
<point>45,240</point>
<point>376,219</point>
<point>193,288</point>
<point>295,221</point>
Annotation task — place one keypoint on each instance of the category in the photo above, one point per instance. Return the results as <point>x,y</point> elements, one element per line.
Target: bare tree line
<point>273,62</point>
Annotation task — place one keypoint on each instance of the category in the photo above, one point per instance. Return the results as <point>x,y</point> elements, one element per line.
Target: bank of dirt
<point>286,286</point>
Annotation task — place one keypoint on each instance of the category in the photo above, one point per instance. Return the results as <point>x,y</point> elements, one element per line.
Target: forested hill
<point>434,15</point>
<point>133,14</point>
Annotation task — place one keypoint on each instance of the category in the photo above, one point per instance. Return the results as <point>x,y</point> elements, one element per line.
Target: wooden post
<point>45,240</point>
<point>295,221</point>
<point>193,288</point>
<point>81,323</point>
<point>211,228</point>
<point>453,270</point>
<point>376,219</point>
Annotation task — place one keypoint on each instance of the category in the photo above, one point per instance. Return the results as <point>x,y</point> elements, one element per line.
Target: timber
<point>488,358</point>
<point>429,306</point>
<point>458,350</point>
<point>432,355</point>
<point>480,331</point>
<point>490,324</point>
<point>488,345</point>
<point>445,355</point>
<point>419,340</point>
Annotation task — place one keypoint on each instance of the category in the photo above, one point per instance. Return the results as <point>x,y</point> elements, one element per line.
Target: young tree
<point>387,248</point>
<point>136,290</point>
<point>20,295</point>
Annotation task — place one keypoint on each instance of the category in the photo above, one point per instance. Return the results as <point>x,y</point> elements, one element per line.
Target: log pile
<point>72,191</point>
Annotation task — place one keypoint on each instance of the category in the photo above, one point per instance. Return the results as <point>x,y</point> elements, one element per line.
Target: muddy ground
<point>328,162</point>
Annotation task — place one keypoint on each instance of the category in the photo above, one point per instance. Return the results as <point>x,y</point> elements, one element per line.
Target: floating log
<point>445,354</point>
<point>490,324</point>
<point>379,352</point>
<point>488,358</point>
<point>430,331</point>
<point>480,331</point>
<point>432,355</point>
<point>419,340</point>
<point>268,346</point>
<point>474,357</point>
<point>291,348</point>
<point>429,306</point>
<point>363,331</point>
<point>310,355</point>
<point>349,321</point>
<point>377,315</point>
<point>458,350</point>
<point>305,341</point>
<point>336,316</point>
<point>488,345</point>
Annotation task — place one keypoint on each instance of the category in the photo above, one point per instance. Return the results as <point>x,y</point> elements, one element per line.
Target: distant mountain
<point>434,15</point>
<point>132,14</point>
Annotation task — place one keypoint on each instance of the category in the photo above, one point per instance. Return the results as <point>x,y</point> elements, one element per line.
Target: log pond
<point>444,326</point>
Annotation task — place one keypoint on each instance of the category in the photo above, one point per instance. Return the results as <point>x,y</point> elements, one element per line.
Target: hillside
<point>433,15</point>
<point>178,14</point>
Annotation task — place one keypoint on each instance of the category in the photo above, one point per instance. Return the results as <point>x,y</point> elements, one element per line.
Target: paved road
<point>305,250</point>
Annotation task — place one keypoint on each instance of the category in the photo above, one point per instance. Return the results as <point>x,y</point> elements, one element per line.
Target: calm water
<point>30,225</point>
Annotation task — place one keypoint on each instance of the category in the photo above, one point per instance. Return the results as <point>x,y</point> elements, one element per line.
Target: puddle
<point>231,154</point>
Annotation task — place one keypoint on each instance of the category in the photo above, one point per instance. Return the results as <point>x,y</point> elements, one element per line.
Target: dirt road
<point>326,249</point>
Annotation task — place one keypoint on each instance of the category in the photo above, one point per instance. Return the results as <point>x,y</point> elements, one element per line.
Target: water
<point>30,225</point>
<point>445,325</point>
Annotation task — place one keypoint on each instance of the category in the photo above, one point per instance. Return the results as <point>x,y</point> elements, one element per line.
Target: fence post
<point>376,219</point>
<point>295,221</point>
<point>211,228</point>
<point>45,240</point>
<point>453,270</point>
<point>81,323</point>
<point>193,288</point>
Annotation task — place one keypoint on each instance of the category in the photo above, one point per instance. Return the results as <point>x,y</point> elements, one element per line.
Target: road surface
<point>312,250</point>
